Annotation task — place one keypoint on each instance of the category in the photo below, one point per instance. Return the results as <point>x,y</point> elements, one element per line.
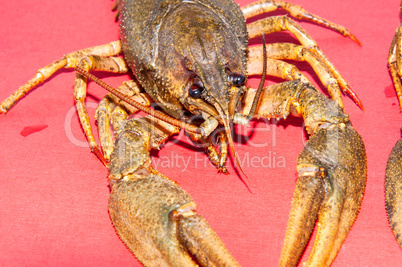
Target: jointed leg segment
<point>282,23</point>
<point>295,11</point>
<point>112,64</point>
<point>278,68</point>
<point>68,61</point>
<point>94,58</point>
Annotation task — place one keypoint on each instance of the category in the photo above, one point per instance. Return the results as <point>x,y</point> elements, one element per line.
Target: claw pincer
<point>331,176</point>
<point>152,214</point>
<point>331,173</point>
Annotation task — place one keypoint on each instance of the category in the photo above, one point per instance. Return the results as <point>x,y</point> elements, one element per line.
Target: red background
<point>53,194</point>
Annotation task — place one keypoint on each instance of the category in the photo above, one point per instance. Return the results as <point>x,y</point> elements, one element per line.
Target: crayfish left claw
<point>203,242</point>
<point>157,221</point>
<point>153,215</point>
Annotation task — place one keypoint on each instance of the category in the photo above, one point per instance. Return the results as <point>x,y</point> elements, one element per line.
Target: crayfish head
<point>203,61</point>
<point>216,85</point>
<point>202,58</point>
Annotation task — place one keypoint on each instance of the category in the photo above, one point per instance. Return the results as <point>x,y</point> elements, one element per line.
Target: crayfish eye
<point>196,88</point>
<point>237,79</point>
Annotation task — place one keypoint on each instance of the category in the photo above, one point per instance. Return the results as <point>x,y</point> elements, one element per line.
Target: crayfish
<point>192,58</point>
<point>393,175</point>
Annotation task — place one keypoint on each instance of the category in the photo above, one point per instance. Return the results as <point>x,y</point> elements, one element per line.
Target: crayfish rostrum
<point>192,58</point>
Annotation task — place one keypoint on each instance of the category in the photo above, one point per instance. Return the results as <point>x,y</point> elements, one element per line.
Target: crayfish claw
<point>307,199</point>
<point>330,187</point>
<point>332,172</point>
<point>202,241</point>
<point>153,215</point>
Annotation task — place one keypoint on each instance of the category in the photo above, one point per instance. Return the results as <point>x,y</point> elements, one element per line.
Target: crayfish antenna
<point>257,96</point>
<point>247,182</point>
<point>155,113</point>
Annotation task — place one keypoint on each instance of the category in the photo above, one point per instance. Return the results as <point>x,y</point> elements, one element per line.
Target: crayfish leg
<point>295,11</point>
<point>111,111</point>
<point>277,52</point>
<point>332,171</point>
<point>68,61</point>
<point>282,23</point>
<point>87,63</point>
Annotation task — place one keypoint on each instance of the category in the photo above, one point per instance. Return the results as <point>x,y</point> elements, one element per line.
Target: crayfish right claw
<point>332,171</point>
<point>330,186</point>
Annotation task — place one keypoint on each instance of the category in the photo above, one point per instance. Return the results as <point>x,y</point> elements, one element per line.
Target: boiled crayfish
<point>191,57</point>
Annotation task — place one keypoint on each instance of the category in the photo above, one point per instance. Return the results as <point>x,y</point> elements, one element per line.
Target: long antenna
<point>155,113</point>
<point>262,81</point>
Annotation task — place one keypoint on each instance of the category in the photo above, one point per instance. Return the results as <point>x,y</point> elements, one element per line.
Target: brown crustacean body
<point>178,39</point>
<point>393,191</point>
<point>393,173</point>
<point>191,57</point>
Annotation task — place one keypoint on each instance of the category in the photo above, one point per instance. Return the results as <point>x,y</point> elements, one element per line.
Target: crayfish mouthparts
<point>148,110</point>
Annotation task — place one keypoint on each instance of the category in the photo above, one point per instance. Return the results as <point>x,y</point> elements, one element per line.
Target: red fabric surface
<point>54,194</point>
